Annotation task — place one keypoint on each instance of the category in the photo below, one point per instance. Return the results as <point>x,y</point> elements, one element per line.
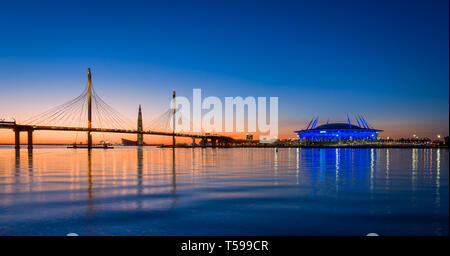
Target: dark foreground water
<point>152,191</point>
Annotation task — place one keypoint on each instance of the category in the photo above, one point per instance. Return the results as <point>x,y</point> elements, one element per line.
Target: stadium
<point>338,131</point>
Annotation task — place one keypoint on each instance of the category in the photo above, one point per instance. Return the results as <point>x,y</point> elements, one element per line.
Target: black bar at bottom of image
<point>229,245</point>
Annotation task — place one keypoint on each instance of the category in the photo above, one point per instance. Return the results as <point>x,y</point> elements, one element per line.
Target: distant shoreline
<point>267,146</point>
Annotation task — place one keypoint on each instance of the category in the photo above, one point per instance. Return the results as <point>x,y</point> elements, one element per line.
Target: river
<point>237,191</point>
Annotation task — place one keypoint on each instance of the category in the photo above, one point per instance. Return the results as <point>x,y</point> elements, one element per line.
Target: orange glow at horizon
<point>286,132</point>
<point>69,137</point>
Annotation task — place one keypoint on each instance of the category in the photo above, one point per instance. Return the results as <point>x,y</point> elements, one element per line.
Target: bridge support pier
<point>213,142</point>
<point>30,139</point>
<point>89,139</point>
<point>140,139</point>
<point>17,138</point>
<point>17,147</point>
<point>193,142</point>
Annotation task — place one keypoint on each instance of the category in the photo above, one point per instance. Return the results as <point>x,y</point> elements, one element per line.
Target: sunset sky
<point>387,60</point>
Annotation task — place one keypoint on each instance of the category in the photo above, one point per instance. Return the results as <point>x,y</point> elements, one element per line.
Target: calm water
<point>152,191</point>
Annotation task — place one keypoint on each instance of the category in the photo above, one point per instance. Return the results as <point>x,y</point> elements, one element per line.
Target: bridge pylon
<point>89,135</point>
<point>140,136</point>
<point>173,118</point>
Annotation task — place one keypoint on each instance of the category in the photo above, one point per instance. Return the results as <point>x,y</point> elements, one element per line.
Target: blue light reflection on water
<point>240,191</point>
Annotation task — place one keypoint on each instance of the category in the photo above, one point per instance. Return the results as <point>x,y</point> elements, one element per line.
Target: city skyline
<point>385,60</point>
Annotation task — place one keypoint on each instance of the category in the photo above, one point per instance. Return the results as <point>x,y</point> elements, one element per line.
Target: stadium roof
<point>362,126</point>
<point>340,126</point>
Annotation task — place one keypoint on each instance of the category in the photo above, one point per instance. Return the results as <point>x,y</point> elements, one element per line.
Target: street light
<point>439,136</point>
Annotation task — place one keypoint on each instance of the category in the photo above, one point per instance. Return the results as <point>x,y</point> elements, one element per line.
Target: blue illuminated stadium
<point>338,131</point>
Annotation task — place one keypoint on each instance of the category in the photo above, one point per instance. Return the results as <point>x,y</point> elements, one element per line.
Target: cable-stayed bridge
<point>89,113</point>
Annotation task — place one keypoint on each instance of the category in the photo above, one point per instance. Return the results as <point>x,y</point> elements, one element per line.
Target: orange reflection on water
<point>127,184</point>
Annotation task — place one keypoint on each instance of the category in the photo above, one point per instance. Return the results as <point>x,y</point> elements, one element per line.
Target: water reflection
<point>275,166</point>
<point>415,159</point>
<point>438,178</point>
<point>30,162</point>
<point>387,169</point>
<point>337,169</point>
<point>372,170</point>
<point>151,191</point>
<point>322,164</point>
<point>17,162</point>
<point>275,160</point>
<point>174,173</point>
<point>297,163</point>
<point>140,166</point>
<point>90,202</point>
<point>415,163</point>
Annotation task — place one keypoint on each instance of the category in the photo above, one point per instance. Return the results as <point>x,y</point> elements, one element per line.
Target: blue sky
<point>388,60</point>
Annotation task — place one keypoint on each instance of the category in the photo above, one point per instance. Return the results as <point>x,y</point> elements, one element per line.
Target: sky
<point>386,60</point>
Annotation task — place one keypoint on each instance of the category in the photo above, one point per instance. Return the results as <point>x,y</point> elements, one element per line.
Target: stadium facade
<point>338,131</point>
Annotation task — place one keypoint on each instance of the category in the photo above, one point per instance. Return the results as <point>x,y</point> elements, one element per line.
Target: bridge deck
<point>108,130</point>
